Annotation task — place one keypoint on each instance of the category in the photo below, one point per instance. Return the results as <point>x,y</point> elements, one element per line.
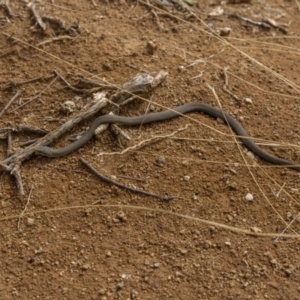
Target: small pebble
<point>230,218</point>
<point>133,294</point>
<point>250,154</point>
<point>249,197</point>
<point>30,221</point>
<point>186,178</point>
<point>248,100</point>
<point>119,286</point>
<point>152,107</point>
<point>183,251</point>
<point>289,216</point>
<point>156,265</point>
<point>225,31</point>
<point>227,243</point>
<point>67,107</point>
<point>161,160</point>
<point>121,216</point>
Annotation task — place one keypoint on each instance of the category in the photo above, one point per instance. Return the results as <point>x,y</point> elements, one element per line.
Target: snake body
<point>166,115</point>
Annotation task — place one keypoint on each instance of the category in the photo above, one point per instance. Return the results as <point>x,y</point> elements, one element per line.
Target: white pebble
<point>30,221</point>
<point>250,154</point>
<point>186,178</point>
<point>249,197</point>
<point>248,100</point>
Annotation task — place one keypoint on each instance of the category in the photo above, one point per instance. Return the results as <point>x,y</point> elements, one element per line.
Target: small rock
<point>250,154</point>
<point>152,107</point>
<point>230,218</point>
<point>183,251</point>
<point>185,163</point>
<point>30,221</point>
<point>186,178</point>
<point>85,267</point>
<point>121,216</point>
<point>101,292</point>
<point>156,265</point>
<point>119,285</point>
<point>133,294</point>
<point>108,254</point>
<point>225,31</point>
<point>152,47</point>
<point>161,160</point>
<point>67,107</point>
<point>180,68</point>
<point>248,100</point>
<point>227,243</point>
<point>249,197</point>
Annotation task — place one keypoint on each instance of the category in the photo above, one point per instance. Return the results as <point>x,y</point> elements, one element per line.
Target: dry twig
<point>24,210</point>
<point>145,142</point>
<point>10,102</point>
<point>163,198</point>
<point>14,84</point>
<point>36,16</point>
<point>13,163</point>
<point>225,86</point>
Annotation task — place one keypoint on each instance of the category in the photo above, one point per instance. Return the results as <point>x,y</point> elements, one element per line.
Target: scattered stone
<point>227,243</point>
<point>180,68</point>
<point>108,254</point>
<point>119,285</point>
<point>249,197</point>
<point>85,267</point>
<point>186,178</point>
<point>101,292</point>
<point>185,163</point>
<point>225,31</point>
<point>152,47</point>
<point>121,216</point>
<point>67,107</point>
<point>133,294</point>
<point>250,154</point>
<point>151,107</point>
<point>248,100</point>
<point>30,221</point>
<point>230,218</point>
<point>183,251</point>
<point>161,160</point>
<point>156,265</point>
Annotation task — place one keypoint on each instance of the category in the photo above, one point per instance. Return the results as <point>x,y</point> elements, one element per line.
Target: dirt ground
<point>75,236</point>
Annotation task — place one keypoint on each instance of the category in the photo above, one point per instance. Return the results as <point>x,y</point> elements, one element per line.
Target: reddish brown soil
<point>74,251</point>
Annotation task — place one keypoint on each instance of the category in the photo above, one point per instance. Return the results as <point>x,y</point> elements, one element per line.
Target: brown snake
<point>166,115</point>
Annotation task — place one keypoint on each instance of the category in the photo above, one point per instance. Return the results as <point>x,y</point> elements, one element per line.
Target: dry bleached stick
<point>139,84</point>
<point>36,16</point>
<point>13,163</point>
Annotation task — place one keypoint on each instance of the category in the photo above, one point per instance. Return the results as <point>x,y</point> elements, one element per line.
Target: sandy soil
<point>82,238</point>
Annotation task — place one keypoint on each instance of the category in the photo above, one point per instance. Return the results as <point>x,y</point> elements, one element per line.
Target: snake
<point>166,115</point>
